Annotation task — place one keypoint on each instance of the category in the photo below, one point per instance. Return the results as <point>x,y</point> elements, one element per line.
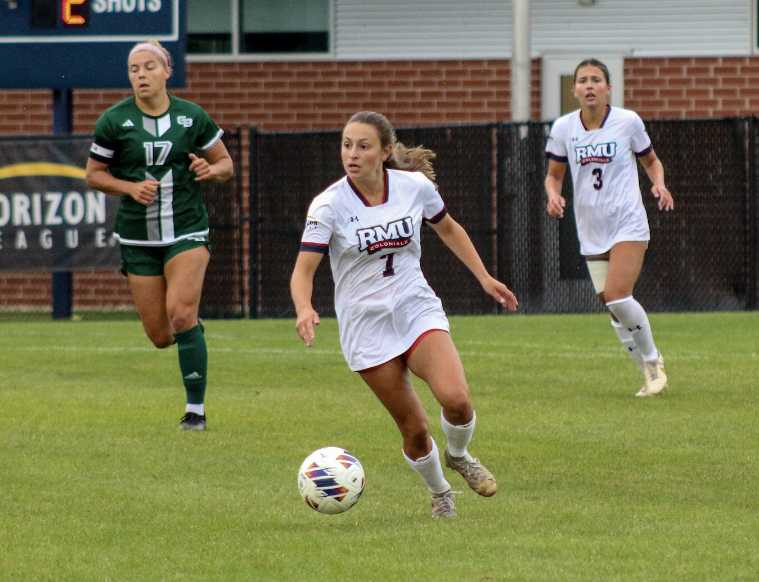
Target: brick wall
<point>320,95</point>
<point>692,87</point>
<point>25,112</point>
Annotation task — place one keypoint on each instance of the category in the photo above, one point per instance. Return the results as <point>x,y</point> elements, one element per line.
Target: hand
<point>666,202</point>
<point>307,320</point>
<point>500,293</point>
<point>203,170</point>
<point>555,206</point>
<point>144,192</point>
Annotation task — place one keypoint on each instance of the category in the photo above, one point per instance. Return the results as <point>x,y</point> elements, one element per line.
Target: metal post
<point>520,61</point>
<point>62,281</point>
<point>752,295</point>
<point>253,223</point>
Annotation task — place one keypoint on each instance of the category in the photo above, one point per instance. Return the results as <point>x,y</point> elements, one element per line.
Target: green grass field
<point>97,483</point>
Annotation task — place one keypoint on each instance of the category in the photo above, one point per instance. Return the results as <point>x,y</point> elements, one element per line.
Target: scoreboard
<point>67,44</point>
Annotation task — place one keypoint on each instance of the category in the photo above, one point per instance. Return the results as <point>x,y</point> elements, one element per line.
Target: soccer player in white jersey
<point>153,150</point>
<point>390,320</point>
<point>600,143</point>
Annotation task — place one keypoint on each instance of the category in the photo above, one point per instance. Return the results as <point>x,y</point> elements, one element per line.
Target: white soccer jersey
<point>382,300</point>
<point>607,201</point>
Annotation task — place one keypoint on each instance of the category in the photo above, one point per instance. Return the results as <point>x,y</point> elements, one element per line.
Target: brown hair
<point>594,63</point>
<point>414,159</point>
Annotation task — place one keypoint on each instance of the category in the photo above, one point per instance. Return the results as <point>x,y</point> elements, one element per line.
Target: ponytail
<point>414,159</point>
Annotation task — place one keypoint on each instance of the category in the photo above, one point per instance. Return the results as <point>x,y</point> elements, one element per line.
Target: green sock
<point>193,362</point>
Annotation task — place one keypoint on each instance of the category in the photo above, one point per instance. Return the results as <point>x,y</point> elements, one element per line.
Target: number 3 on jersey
<point>163,147</point>
<point>599,183</point>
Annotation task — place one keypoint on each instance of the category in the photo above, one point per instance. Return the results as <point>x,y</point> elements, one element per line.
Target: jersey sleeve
<point>318,229</point>
<point>433,206</point>
<point>639,140</point>
<point>556,145</point>
<point>104,146</point>
<point>208,133</point>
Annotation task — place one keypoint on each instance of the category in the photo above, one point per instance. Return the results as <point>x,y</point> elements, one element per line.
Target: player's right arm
<point>100,178</point>
<point>554,179</point>
<point>301,291</point>
<point>556,152</point>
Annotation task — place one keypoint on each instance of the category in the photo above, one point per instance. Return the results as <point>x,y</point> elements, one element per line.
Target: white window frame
<point>555,65</point>
<point>236,56</point>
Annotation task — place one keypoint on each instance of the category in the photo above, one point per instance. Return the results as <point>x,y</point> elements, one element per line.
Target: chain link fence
<point>702,256</point>
<point>224,286</point>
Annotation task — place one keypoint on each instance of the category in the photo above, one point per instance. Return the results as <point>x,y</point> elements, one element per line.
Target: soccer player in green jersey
<point>153,150</point>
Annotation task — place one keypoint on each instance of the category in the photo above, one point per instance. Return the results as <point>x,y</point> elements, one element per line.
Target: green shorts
<point>150,261</point>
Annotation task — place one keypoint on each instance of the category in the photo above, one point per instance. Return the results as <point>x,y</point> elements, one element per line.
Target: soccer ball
<point>331,480</point>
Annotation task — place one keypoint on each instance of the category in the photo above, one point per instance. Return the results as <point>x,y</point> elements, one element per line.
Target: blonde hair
<point>411,159</point>
<point>155,47</point>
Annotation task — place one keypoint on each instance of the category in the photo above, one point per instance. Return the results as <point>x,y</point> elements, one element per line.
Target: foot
<point>655,376</point>
<point>443,505</point>
<point>474,473</point>
<point>192,421</point>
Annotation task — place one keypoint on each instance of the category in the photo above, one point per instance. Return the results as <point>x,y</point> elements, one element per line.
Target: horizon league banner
<point>50,220</point>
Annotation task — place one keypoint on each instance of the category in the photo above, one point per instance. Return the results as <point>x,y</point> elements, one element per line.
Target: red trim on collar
<point>603,121</point>
<point>386,189</point>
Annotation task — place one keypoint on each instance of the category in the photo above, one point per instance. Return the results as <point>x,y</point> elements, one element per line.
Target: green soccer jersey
<point>136,147</point>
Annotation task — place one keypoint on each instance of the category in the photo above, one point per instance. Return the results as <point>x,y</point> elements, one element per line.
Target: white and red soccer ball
<point>331,480</point>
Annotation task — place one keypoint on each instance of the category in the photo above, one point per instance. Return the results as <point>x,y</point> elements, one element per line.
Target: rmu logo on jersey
<point>184,121</point>
<point>600,153</point>
<point>377,238</point>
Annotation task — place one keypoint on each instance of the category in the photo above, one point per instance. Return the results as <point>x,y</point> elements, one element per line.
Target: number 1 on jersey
<point>389,271</point>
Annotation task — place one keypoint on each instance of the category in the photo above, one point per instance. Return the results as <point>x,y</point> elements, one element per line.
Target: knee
<point>182,318</point>
<point>416,433</point>
<point>458,409</point>
<point>160,338</point>
<point>615,294</point>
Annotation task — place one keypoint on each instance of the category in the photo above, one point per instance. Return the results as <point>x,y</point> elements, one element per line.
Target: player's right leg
<point>391,384</point>
<point>144,270</point>
<point>149,296</point>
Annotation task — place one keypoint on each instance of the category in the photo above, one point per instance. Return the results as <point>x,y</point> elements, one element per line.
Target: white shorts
<point>599,232</point>
<point>370,337</point>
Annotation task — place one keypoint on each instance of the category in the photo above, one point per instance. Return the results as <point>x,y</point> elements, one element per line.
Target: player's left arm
<point>655,171</point>
<point>455,237</point>
<point>214,164</point>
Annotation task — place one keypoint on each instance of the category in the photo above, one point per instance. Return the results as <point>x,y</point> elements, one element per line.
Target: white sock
<point>430,469</point>
<point>630,314</point>
<point>459,436</point>
<point>627,340</point>
<point>196,408</point>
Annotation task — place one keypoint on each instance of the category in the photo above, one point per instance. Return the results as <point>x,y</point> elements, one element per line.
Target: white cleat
<point>443,505</point>
<point>655,376</point>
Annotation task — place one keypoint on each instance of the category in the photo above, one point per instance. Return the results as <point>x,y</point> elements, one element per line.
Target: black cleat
<point>192,421</point>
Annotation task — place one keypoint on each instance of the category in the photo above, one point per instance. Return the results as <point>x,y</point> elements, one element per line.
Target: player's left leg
<point>185,273</point>
<point>435,360</point>
<point>625,263</point>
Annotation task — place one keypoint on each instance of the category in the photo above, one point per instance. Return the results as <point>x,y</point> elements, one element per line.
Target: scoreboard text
<point>84,43</point>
